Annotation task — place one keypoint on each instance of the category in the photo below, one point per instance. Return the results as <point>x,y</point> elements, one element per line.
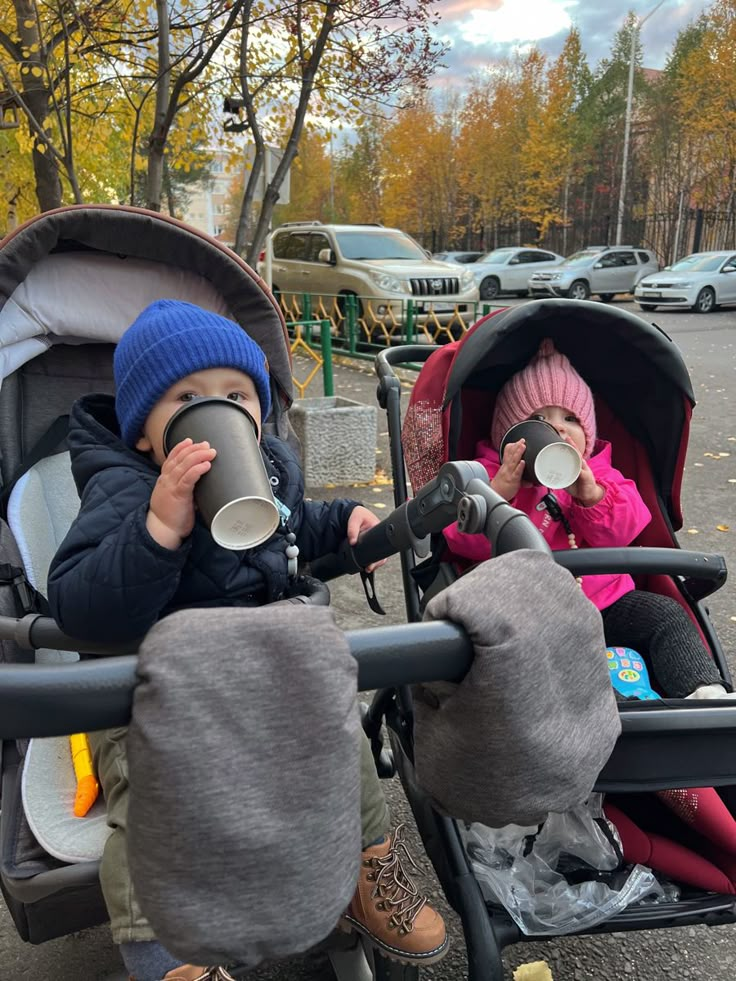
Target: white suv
<point>604,270</point>
<point>381,267</point>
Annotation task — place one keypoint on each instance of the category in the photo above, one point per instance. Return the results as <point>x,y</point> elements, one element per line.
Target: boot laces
<point>394,886</point>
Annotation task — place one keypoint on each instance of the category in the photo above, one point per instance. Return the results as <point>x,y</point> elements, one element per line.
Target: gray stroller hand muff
<point>530,727</point>
<point>244,818</point>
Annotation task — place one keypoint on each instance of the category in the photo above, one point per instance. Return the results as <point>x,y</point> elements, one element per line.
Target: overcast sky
<point>482,31</point>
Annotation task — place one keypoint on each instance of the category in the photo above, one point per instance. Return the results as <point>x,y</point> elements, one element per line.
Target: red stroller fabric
<point>673,859</point>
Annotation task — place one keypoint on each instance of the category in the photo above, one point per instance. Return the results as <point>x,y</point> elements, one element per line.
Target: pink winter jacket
<point>613,522</point>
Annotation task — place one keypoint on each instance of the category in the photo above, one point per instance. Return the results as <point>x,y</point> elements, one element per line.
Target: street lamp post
<point>627,125</point>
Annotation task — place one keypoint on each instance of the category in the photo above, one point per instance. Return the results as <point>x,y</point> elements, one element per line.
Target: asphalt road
<point>708,344</point>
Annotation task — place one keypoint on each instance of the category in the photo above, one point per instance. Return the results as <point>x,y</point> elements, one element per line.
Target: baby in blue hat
<point>138,551</point>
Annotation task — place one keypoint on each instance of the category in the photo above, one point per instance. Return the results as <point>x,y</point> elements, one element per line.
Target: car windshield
<point>698,263</point>
<point>378,245</point>
<point>578,257</point>
<point>498,256</point>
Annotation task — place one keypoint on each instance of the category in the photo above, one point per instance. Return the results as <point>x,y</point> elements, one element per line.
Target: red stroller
<point>644,402</point>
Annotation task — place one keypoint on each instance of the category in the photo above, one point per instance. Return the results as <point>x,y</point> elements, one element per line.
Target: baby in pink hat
<point>601,509</point>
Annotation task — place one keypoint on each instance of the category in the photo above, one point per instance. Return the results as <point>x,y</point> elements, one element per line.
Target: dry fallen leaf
<point>732,480</point>
<point>693,531</point>
<point>536,971</point>
<point>722,528</point>
<point>376,490</point>
<point>379,504</point>
<point>724,454</point>
<point>698,464</point>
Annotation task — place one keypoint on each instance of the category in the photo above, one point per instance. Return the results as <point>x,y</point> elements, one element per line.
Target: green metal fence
<point>365,324</point>
<point>347,324</point>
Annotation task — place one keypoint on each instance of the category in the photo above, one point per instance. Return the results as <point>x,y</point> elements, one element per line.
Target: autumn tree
<point>326,58</point>
<point>417,167</point>
<point>186,47</point>
<point>495,122</point>
<point>706,104</point>
<point>553,149</point>
<point>359,178</point>
<point>38,56</point>
<point>311,181</point>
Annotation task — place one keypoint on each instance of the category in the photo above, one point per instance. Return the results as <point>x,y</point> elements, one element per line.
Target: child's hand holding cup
<point>533,450</point>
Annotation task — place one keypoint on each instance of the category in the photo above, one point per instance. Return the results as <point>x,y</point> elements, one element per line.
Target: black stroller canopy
<point>631,365</point>
<point>97,240</point>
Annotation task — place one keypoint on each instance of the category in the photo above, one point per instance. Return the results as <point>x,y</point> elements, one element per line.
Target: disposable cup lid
<point>557,465</point>
<point>244,523</point>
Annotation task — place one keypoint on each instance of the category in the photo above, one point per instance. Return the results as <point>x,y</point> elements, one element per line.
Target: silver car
<point>701,281</point>
<point>604,270</point>
<point>463,258</point>
<point>508,270</point>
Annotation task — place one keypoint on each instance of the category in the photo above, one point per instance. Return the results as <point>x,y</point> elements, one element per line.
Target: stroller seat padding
<point>41,508</point>
<point>48,785</point>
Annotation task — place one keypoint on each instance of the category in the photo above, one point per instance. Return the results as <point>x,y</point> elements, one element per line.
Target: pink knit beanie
<point>548,379</point>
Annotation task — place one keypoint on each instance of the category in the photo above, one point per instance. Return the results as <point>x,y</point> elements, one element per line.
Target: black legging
<point>659,629</point>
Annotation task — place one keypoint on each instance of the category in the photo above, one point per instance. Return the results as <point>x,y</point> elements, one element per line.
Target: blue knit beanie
<point>169,340</point>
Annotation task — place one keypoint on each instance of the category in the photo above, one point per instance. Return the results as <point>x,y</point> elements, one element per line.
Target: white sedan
<point>508,270</point>
<point>701,281</point>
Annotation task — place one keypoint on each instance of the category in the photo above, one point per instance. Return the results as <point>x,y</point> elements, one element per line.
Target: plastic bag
<point>522,869</point>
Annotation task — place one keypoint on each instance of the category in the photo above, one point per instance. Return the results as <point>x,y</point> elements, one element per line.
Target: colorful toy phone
<point>629,675</point>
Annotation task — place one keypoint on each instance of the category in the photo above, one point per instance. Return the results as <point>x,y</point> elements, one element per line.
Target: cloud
<point>515,22</point>
<point>481,32</point>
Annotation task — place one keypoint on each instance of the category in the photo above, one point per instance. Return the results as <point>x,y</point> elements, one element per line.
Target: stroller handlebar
<point>459,492</point>
<point>642,560</point>
<point>404,354</point>
<point>38,700</point>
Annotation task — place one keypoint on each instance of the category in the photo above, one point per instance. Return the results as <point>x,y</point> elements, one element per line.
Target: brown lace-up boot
<point>388,909</point>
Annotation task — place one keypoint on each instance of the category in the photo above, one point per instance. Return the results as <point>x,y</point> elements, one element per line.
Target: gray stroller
<point>70,282</point>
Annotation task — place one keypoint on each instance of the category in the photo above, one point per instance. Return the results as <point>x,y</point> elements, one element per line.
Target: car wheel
<point>489,288</point>
<point>606,297</point>
<point>706,300</point>
<point>647,307</point>
<point>579,290</point>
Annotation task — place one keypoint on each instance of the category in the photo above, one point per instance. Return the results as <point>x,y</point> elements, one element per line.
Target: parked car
<point>507,270</point>
<point>604,270</point>
<point>379,266</point>
<point>701,281</point>
<point>462,257</point>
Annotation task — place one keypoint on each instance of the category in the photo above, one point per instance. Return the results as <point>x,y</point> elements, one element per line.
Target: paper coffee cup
<point>549,460</point>
<point>234,497</point>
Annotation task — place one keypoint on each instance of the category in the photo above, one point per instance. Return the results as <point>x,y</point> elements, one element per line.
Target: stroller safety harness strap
<point>46,445</point>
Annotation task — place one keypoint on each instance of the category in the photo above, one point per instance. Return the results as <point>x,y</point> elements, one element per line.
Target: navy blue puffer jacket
<point>110,581</point>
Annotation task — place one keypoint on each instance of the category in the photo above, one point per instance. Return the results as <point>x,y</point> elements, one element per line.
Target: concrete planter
<point>338,438</point>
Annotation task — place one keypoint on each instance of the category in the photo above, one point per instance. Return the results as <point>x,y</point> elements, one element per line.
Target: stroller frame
<point>54,899</point>
<point>640,761</point>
